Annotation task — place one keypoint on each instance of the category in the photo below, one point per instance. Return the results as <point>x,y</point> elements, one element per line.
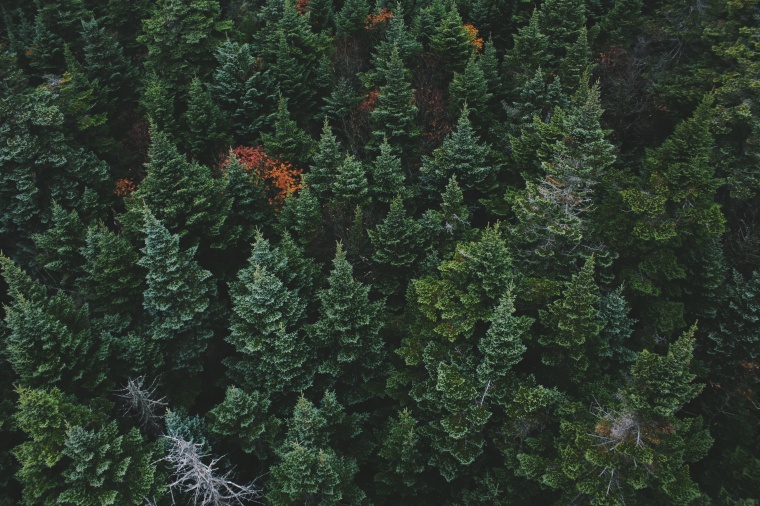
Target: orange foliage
<point>472,34</point>
<point>373,20</point>
<point>279,176</point>
<point>302,6</point>
<point>124,187</point>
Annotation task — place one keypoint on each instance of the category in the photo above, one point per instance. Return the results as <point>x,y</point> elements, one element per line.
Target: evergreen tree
<point>327,158</point>
<point>573,324</point>
<point>450,41</point>
<point>180,37</point>
<point>576,63</point>
<point>105,63</point>
<point>302,215</point>
<point>350,185</point>
<point>387,176</point>
<point>64,461</point>
<point>396,242</point>
<point>272,352</point>
<point>158,102</point>
<point>394,117</point>
<point>59,246</point>
<point>241,417</point>
<point>206,136</point>
<point>241,89</point>
<point>249,208</point>
<point>309,469</point>
<point>50,341</point>
<point>347,332</point>
<point>177,299</point>
<point>184,195</point>
<point>351,18</point>
<point>288,142</point>
<point>470,89</point>
<point>460,155</point>
<point>112,283</point>
<point>560,21</point>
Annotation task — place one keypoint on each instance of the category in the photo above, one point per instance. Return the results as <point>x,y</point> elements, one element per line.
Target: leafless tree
<point>205,483</point>
<point>141,402</point>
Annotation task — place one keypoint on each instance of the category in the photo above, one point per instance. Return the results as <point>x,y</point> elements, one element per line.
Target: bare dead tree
<point>141,401</point>
<point>205,483</point>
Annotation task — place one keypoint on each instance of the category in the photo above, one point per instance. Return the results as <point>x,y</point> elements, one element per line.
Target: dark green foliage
<point>206,137</point>
<point>49,340</point>
<point>532,200</point>
<point>288,142</point>
<point>394,117</point>
<point>347,331</point>
<point>183,195</point>
<point>176,300</point>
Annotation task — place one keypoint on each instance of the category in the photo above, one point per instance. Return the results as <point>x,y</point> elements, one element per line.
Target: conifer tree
<point>73,457</point>
<point>59,246</point>
<point>180,37</point>
<point>350,185</point>
<point>400,452</point>
<point>105,63</point>
<point>288,142</point>
<point>396,242</point>
<point>309,468</point>
<point>394,117</point>
<point>184,195</point>
<point>158,102</point>
<point>177,299</point>
<point>206,136</point>
<point>387,176</point>
<point>327,157</point>
<point>302,215</point>
<point>249,208</point>
<point>242,90</point>
<point>272,352</point>
<point>351,18</point>
<point>576,63</point>
<point>529,51</point>
<point>112,282</point>
<point>347,332</point>
<point>450,41</point>
<point>50,341</point>
<point>242,418</point>
<point>461,155</point>
<point>399,36</point>
<point>560,21</point>
<point>573,324</point>
<point>470,89</point>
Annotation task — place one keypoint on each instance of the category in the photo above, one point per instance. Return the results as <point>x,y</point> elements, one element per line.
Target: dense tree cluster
<point>426,252</point>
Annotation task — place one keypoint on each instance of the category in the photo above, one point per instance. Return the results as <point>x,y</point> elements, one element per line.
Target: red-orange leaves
<point>279,176</point>
<point>124,187</point>
<point>472,34</point>
<point>378,19</point>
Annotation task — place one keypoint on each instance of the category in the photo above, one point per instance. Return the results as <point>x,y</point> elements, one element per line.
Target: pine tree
<point>400,452</point>
<point>394,117</point>
<point>529,51</point>
<point>347,332</point>
<point>450,225</point>
<point>241,89</point>
<point>398,35</point>
<point>272,351</point>
<point>502,347</point>
<point>450,41</point>
<point>560,21</point>
<point>112,283</point>
<point>387,176</point>
<point>59,246</point>
<point>396,242</point>
<point>158,102</point>
<point>576,63</point>
<point>205,136</point>
<point>327,157</point>
<point>573,324</point>
<point>461,155</point>
<point>105,63</point>
<point>73,457</point>
<point>351,18</point>
<point>184,195</point>
<point>181,37</point>
<point>470,89</point>
<point>176,300</point>
<point>242,418</point>
<point>308,468</point>
<point>288,142</point>
<point>350,186</point>
<point>302,215</point>
<point>50,341</point>
<point>249,209</point>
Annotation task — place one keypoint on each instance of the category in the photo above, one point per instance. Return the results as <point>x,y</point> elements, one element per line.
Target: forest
<point>388,252</point>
